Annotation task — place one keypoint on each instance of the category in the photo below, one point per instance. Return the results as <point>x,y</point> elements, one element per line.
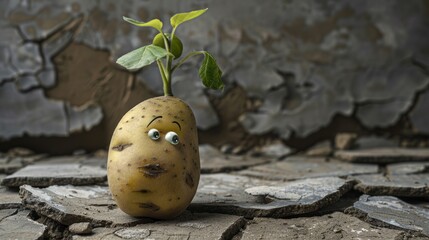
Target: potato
<point>153,162</point>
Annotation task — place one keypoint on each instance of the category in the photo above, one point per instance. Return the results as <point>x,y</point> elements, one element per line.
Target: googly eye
<point>153,134</point>
<point>172,138</point>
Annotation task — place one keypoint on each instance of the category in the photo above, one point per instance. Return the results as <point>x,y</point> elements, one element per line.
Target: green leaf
<point>142,57</point>
<point>155,23</point>
<point>210,73</point>
<point>180,18</point>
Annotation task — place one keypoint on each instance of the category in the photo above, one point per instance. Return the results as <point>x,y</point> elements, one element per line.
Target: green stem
<point>166,71</point>
<point>183,60</point>
<point>169,59</point>
<point>166,84</point>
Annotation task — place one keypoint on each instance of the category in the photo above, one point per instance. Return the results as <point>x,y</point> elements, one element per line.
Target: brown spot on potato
<point>121,147</point>
<point>152,170</point>
<point>149,205</point>
<point>129,164</point>
<point>143,191</point>
<point>189,180</point>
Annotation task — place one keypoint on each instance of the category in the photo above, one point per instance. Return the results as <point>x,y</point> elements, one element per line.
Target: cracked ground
<point>378,193</point>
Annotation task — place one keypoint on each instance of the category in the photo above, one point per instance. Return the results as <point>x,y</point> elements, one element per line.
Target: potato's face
<point>153,161</point>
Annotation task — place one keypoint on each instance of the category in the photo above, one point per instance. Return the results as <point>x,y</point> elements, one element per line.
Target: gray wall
<point>296,64</point>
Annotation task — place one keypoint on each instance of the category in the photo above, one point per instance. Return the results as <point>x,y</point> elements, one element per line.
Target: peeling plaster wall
<point>301,61</point>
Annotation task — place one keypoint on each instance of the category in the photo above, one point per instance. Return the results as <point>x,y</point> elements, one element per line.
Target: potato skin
<point>154,178</point>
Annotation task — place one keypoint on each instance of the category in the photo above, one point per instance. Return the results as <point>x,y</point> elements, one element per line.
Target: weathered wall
<point>290,68</point>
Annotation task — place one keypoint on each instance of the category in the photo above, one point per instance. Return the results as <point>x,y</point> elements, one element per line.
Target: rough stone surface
<point>390,211</point>
<point>30,113</point>
<point>410,185</point>
<point>82,228</point>
<point>83,118</point>
<point>320,149</point>
<point>366,142</point>
<point>26,83</point>
<point>384,155</point>
<point>27,59</point>
<point>186,226</point>
<point>224,193</point>
<point>75,204</point>
<point>192,94</point>
<point>84,160</point>
<point>43,175</point>
<point>298,167</point>
<point>408,168</point>
<point>274,150</point>
<point>344,141</point>
<point>419,116</point>
<point>19,226</point>
<point>9,198</point>
<point>46,78</point>
<point>10,164</point>
<point>305,66</point>
<point>213,161</point>
<point>4,213</point>
<point>332,226</point>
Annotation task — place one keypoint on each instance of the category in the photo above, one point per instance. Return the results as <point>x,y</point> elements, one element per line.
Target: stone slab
<point>10,164</point>
<point>86,160</point>
<point>276,150</point>
<point>372,141</point>
<point>251,197</point>
<point>43,175</point>
<point>186,226</point>
<point>214,161</point>
<point>73,204</point>
<point>20,226</point>
<point>9,198</point>
<point>82,228</point>
<point>320,149</point>
<point>4,213</point>
<point>415,185</point>
<point>384,155</point>
<point>418,116</point>
<point>391,211</point>
<point>408,168</point>
<point>298,167</point>
<point>333,226</point>
<point>345,141</point>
